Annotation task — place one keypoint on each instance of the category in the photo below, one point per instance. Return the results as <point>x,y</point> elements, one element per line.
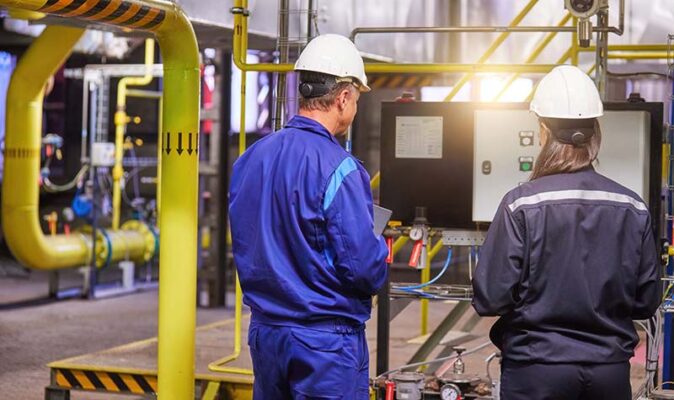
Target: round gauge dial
<point>450,392</point>
<point>416,233</point>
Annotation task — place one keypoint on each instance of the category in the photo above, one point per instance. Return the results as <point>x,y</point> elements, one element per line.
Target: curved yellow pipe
<point>178,217</point>
<point>120,129</point>
<point>20,194</point>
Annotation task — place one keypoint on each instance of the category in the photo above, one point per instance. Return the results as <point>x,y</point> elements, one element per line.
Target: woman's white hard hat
<point>567,93</point>
<point>334,55</point>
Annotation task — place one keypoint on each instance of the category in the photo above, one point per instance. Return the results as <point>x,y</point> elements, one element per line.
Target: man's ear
<point>343,99</point>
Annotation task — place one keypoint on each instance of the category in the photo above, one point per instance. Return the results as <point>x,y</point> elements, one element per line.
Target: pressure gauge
<point>416,233</point>
<point>450,392</point>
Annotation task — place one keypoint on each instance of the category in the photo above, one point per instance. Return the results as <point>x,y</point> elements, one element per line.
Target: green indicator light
<point>525,166</point>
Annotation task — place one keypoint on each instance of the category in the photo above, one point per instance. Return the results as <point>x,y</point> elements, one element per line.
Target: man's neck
<point>322,118</point>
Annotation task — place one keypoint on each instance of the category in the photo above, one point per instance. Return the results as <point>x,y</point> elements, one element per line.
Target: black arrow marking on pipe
<point>189,144</point>
<point>180,143</point>
<point>168,143</point>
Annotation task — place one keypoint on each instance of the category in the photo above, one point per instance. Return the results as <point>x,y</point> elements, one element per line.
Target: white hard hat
<point>568,93</point>
<point>333,55</point>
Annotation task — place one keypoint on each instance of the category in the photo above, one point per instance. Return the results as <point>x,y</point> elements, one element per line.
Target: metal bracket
<point>463,238</point>
<point>240,10</point>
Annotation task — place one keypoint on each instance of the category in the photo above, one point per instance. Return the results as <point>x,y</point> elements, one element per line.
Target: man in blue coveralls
<point>302,227</point>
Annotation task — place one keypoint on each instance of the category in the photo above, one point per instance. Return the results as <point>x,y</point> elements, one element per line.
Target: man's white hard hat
<point>334,55</point>
<point>567,93</point>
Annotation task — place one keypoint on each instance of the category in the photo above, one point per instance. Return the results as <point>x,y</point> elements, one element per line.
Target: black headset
<point>310,90</point>
<point>571,131</point>
<point>314,85</point>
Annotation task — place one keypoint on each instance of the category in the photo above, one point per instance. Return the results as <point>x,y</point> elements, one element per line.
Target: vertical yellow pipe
<point>425,277</point>
<point>574,43</point>
<point>121,119</point>
<point>178,217</point>
<point>492,48</point>
<point>534,55</point>
<point>160,145</point>
<point>240,49</point>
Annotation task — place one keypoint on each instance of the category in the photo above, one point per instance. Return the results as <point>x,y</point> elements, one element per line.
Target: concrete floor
<point>34,336</point>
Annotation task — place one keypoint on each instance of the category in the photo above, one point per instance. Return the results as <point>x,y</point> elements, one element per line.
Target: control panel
<point>506,144</point>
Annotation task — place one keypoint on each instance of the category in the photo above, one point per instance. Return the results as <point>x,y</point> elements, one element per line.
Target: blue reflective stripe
<point>343,170</point>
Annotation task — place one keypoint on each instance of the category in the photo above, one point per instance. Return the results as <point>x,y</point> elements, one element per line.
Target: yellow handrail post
<point>425,277</point>
<point>121,120</point>
<point>217,366</point>
<point>375,181</point>
<point>534,55</point>
<point>492,48</point>
<point>574,43</point>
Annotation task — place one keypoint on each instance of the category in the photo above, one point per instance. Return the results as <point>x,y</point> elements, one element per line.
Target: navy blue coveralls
<point>309,262</point>
<point>569,261</point>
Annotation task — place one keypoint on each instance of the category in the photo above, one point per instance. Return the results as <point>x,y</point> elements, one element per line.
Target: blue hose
<point>432,281</point>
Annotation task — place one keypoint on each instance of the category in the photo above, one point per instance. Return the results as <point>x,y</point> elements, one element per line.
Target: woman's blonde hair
<point>557,157</point>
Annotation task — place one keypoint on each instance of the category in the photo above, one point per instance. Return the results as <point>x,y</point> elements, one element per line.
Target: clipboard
<point>381,218</point>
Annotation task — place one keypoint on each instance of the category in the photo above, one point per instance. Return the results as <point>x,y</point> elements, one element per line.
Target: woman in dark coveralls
<point>569,262</point>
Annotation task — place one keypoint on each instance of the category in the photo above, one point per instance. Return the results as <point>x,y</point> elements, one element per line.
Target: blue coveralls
<point>569,261</point>
<point>308,260</point>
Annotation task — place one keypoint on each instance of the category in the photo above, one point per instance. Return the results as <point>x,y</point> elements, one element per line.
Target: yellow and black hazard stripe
<point>400,81</point>
<point>104,381</point>
<point>115,12</point>
<point>21,152</point>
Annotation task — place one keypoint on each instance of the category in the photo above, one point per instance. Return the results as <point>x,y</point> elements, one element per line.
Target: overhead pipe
<point>490,29</point>
<point>241,14</point>
<point>121,121</point>
<point>178,217</point>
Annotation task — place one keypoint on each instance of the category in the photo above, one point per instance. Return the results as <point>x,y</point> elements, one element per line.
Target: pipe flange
<point>240,10</point>
<point>151,239</point>
<point>102,247</point>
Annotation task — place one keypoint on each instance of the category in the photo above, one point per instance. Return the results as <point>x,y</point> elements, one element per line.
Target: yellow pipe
<point>178,252</point>
<point>638,56</point>
<point>148,94</point>
<point>628,47</point>
<point>575,46</point>
<point>400,243</point>
<point>534,55</point>
<point>375,181</point>
<point>591,70</point>
<point>425,277</point>
<point>492,48</point>
<point>20,194</point>
<point>217,366</point>
<point>240,45</point>
<point>121,119</point>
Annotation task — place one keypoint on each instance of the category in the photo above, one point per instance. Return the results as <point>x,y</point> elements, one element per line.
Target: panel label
<point>419,137</point>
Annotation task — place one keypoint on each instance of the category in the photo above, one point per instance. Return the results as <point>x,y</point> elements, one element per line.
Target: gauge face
<point>416,233</point>
<point>450,392</point>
